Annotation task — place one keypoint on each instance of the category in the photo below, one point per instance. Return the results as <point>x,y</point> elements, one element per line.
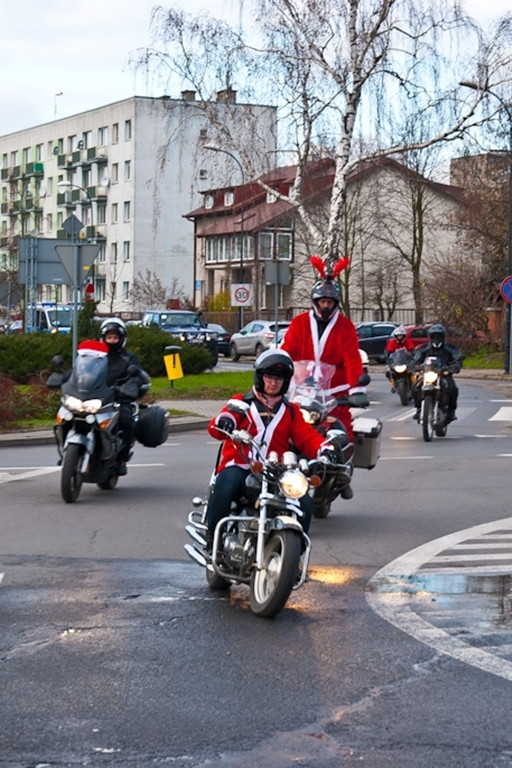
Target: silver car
<point>255,338</point>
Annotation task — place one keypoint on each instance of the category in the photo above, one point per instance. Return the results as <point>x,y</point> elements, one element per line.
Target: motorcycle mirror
<point>364,380</point>
<point>57,362</point>
<point>133,370</point>
<point>238,406</point>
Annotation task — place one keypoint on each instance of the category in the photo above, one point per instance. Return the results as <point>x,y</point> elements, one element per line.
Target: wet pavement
<point>454,594</point>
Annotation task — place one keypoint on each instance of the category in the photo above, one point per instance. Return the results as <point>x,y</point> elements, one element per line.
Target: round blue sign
<point>506,289</point>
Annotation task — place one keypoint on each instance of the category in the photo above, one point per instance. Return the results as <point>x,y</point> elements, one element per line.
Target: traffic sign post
<point>506,294</point>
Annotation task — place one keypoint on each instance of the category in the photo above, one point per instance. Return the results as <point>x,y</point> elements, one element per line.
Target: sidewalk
<point>199,412</point>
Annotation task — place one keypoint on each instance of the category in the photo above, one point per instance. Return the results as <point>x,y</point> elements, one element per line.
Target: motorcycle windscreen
<point>88,379</point>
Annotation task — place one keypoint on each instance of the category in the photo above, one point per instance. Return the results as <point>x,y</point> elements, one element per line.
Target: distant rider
<point>398,340</point>
<point>451,359</point>
<point>325,335</point>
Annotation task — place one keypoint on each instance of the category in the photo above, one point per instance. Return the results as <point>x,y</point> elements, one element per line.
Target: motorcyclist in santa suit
<point>113,334</point>
<point>451,358</point>
<point>271,418</point>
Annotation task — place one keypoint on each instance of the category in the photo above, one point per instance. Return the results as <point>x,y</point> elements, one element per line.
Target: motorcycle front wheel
<point>71,475</point>
<point>402,389</point>
<point>428,419</point>
<point>271,586</point>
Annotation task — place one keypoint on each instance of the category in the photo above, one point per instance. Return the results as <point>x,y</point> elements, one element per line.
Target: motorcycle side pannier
<point>152,427</point>
<point>366,442</point>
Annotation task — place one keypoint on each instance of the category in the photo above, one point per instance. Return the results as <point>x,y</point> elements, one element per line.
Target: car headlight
<point>293,484</point>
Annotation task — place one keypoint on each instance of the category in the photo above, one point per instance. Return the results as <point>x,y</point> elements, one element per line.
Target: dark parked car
<point>186,326</point>
<point>223,337</point>
<point>373,338</point>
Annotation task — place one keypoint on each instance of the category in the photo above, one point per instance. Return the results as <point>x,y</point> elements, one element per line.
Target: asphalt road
<point>395,653</point>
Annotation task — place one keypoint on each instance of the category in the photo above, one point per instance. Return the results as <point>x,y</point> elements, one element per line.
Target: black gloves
<point>225,423</point>
<point>359,400</point>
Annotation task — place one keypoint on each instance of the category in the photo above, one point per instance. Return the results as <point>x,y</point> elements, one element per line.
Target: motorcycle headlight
<point>430,377</point>
<point>400,368</point>
<point>82,406</point>
<point>293,484</point>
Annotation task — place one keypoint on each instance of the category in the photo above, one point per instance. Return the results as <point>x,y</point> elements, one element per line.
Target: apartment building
<point>129,171</point>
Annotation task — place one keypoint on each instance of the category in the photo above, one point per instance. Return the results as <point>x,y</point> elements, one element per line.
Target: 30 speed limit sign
<point>241,295</point>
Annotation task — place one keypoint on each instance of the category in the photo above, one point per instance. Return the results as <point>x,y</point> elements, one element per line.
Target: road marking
<point>6,477</point>
<point>390,593</point>
<point>503,414</point>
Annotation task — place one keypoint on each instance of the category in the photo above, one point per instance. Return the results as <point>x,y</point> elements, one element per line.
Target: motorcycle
<point>260,542</point>
<point>401,376</point>
<point>310,388</point>
<point>434,398</point>
<point>87,430</point>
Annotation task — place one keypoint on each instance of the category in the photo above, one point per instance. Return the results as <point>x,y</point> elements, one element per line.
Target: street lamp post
<point>76,260</point>
<point>508,109</point>
<point>214,148</point>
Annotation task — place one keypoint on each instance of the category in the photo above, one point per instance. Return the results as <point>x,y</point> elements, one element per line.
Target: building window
<point>126,250</point>
<point>101,213</point>
<point>127,170</point>
<point>87,139</point>
<point>4,160</point>
<point>203,173</point>
<point>211,249</point>
<point>14,157</point>
<point>265,243</point>
<point>102,254</point>
<point>71,143</point>
<point>126,290</point>
<point>229,197</point>
<point>113,253</point>
<point>49,186</point>
<point>114,213</point>
<point>39,152</point>
<point>115,173</point>
<point>99,289</point>
<point>115,133</point>
<point>284,246</point>
<point>208,201</point>
<point>103,136</point>
<point>127,130</point>
<point>126,210</point>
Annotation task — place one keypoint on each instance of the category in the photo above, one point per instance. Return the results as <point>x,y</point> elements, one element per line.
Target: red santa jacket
<point>338,345</point>
<point>392,345</point>
<point>287,425</point>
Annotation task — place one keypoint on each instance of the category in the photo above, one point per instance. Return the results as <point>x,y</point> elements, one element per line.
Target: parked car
<point>373,338</point>
<point>223,338</point>
<point>255,338</point>
<point>186,326</point>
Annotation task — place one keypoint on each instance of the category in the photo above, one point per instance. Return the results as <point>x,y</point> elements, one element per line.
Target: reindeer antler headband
<point>325,271</point>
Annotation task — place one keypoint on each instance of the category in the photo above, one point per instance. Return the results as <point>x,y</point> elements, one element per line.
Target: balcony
<point>34,169</point>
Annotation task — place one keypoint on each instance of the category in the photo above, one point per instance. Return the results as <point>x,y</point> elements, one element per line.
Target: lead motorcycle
<point>311,389</point>
<point>434,397</point>
<point>87,429</point>
<point>260,542</point>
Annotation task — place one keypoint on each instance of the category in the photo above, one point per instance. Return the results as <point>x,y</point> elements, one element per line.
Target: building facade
<point>129,171</point>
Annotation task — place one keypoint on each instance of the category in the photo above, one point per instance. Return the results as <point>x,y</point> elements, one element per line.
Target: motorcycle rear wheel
<point>71,475</point>
<point>110,483</point>
<point>215,581</point>
<point>271,586</point>
<point>428,419</point>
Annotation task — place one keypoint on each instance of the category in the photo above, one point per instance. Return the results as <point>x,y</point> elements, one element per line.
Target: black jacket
<point>450,356</point>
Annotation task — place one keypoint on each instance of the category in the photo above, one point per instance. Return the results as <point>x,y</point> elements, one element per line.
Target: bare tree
<point>148,291</point>
<point>345,74</point>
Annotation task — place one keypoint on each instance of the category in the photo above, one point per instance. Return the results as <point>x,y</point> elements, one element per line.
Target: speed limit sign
<point>241,295</point>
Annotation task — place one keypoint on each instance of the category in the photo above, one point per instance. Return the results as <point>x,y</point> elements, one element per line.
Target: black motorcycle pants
<point>127,427</point>
<point>230,486</point>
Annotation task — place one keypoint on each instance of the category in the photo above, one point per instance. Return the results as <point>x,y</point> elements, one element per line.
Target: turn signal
<point>257,467</point>
<point>315,481</point>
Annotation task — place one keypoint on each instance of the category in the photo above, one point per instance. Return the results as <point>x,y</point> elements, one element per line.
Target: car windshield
<point>60,318</point>
<point>180,321</point>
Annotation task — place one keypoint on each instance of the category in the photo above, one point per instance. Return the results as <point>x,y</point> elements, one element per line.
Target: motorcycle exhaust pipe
<point>193,553</point>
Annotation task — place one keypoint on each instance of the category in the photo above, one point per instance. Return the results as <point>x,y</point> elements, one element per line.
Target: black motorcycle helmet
<point>113,325</point>
<point>437,335</point>
<point>276,362</point>
<point>325,289</point>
